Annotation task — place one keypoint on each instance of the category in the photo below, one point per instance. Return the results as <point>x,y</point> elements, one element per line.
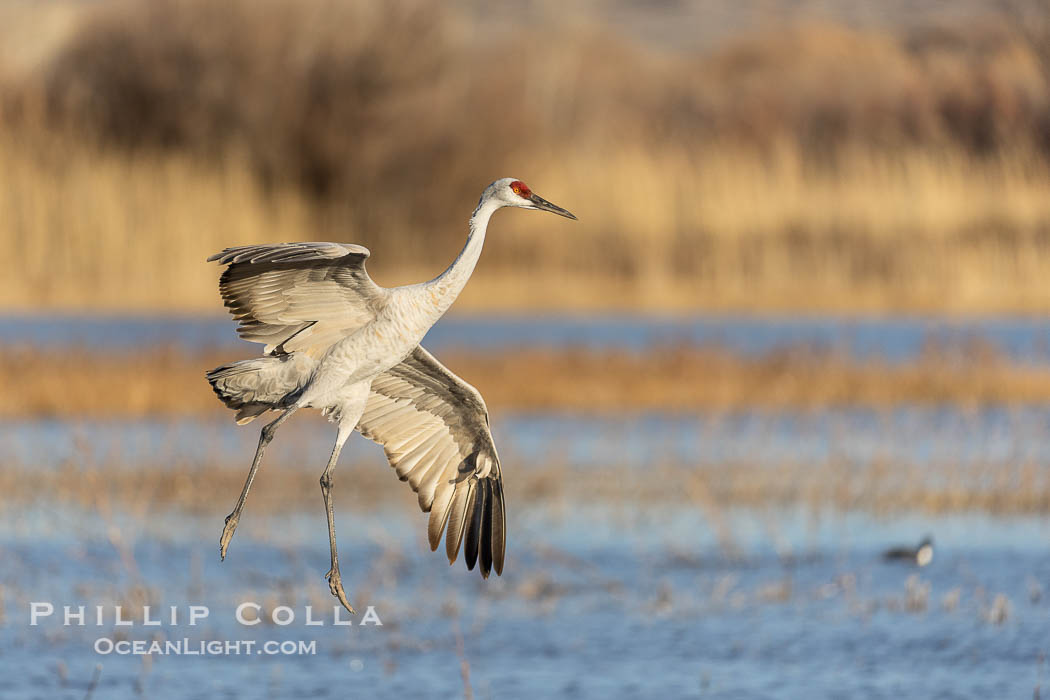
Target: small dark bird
<point>920,556</point>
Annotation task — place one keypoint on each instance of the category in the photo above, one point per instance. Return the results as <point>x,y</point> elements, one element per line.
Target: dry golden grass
<point>730,229</point>
<point>164,383</point>
<point>93,229</point>
<point>921,231</point>
<point>878,487</point>
<point>817,168</point>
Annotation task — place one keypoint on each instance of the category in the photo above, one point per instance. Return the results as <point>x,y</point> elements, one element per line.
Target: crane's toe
<point>335,584</point>
<point>227,534</point>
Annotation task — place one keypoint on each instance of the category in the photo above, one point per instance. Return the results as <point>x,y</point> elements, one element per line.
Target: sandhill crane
<point>337,342</point>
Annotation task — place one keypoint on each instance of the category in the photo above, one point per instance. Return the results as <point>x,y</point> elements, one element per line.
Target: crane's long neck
<point>443,289</point>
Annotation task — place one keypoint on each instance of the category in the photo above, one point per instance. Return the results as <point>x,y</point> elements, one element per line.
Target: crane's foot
<point>227,533</point>
<point>335,584</point>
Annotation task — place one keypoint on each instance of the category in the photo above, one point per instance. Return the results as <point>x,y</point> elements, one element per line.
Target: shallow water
<point>599,599</point>
<point>905,435</point>
<point>889,338</point>
<point>591,605</point>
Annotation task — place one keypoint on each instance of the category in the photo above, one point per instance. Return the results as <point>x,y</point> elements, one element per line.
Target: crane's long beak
<point>543,205</point>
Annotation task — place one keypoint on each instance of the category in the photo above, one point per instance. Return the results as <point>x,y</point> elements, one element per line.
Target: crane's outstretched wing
<point>434,428</point>
<point>298,296</point>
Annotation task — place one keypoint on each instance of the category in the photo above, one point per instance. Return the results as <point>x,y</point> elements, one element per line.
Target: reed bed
<point>163,382</point>
<point>96,230</point>
<point>816,167</point>
<point>878,487</point>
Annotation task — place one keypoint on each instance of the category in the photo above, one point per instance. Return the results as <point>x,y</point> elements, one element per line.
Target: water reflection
<point>914,435</point>
<point>891,338</point>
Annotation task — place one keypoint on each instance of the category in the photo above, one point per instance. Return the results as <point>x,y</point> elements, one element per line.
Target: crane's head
<point>511,192</point>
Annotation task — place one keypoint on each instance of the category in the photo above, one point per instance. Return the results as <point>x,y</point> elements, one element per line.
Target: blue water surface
<point>601,598</point>
<point>891,338</point>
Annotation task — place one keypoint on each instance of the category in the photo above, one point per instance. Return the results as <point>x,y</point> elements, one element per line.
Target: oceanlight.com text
<point>187,647</point>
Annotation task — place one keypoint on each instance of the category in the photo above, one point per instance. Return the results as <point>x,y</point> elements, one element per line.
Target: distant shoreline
<point>163,382</point>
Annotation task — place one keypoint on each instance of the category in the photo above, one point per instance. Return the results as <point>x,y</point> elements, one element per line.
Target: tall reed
<point>817,168</point>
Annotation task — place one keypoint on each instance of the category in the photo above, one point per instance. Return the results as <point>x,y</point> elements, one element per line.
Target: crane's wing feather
<point>434,428</point>
<point>298,296</point>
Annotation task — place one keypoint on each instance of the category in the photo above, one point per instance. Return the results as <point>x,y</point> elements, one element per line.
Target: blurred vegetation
<point>208,484</point>
<point>159,382</point>
<point>810,166</point>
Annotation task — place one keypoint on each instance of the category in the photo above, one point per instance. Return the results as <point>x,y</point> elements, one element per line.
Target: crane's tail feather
<point>253,387</point>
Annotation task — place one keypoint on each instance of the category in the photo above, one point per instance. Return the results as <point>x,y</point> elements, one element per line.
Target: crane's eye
<point>521,189</point>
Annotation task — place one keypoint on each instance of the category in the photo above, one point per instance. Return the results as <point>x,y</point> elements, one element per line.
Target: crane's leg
<point>335,581</point>
<point>264,439</point>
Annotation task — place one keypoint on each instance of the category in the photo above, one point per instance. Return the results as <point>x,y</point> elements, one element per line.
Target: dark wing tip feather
<point>499,527</point>
<point>486,530</point>
<point>474,534</point>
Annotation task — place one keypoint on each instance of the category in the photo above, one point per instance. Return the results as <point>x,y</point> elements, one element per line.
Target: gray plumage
<point>337,342</point>
<point>299,296</point>
<point>434,428</point>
